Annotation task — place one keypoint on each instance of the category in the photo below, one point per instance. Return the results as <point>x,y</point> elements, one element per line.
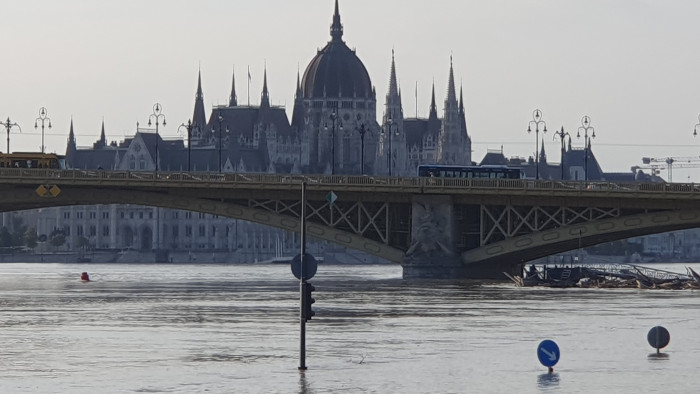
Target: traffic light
<point>308,288</point>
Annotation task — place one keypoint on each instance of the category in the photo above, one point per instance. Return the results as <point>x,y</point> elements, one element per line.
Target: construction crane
<point>657,164</point>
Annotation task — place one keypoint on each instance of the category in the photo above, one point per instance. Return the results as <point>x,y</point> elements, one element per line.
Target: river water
<point>144,328</point>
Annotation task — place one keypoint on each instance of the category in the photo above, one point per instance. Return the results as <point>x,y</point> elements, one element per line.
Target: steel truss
<point>499,222</point>
<point>367,219</point>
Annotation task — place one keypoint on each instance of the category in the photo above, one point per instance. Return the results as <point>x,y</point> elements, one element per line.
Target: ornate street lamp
<point>585,127</point>
<point>339,123</point>
<point>156,116</point>
<point>188,127</point>
<point>362,130</point>
<point>562,135</point>
<point>537,121</point>
<point>42,118</point>
<point>391,131</point>
<point>8,126</point>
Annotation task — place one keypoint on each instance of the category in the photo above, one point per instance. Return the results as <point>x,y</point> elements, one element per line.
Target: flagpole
<point>249,85</point>
<point>416,99</point>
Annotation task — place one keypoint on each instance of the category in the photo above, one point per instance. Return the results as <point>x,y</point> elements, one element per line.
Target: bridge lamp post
<point>537,122</point>
<point>188,127</point>
<point>335,120</point>
<point>8,126</point>
<point>362,130</point>
<point>585,127</point>
<point>43,118</point>
<point>156,117</point>
<point>562,135</point>
<point>697,126</point>
<point>390,130</point>
<point>220,119</point>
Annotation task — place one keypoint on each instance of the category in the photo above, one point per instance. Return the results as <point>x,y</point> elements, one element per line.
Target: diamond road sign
<point>331,197</point>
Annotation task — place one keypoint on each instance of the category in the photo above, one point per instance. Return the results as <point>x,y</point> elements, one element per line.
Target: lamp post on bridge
<point>8,126</point>
<point>188,127</point>
<point>537,121</point>
<point>695,131</point>
<point>562,135</point>
<point>585,127</point>
<point>390,131</point>
<point>42,118</point>
<point>156,116</point>
<point>335,122</point>
<point>362,130</point>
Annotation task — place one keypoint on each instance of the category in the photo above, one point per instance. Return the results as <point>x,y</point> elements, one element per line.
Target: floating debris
<point>608,276</point>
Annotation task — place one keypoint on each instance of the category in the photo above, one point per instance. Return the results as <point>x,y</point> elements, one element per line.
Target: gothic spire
<point>71,135</point>
<point>298,112</point>
<point>393,85</point>
<point>265,99</point>
<point>461,100</point>
<point>433,106</point>
<point>103,138</point>
<point>299,92</point>
<point>451,95</point>
<point>233,99</point>
<point>336,27</point>
<point>199,117</point>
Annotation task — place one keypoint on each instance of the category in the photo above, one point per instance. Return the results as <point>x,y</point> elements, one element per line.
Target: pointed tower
<point>71,148</point>
<point>392,152</point>
<point>463,126</point>
<point>103,138</point>
<point>233,99</point>
<point>199,117</point>
<point>452,145</point>
<point>265,97</point>
<point>102,142</point>
<point>298,112</point>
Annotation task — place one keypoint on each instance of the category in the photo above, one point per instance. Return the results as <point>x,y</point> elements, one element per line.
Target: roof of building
<point>336,71</point>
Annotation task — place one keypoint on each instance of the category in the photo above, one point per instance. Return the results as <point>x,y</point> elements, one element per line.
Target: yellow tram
<point>31,160</point>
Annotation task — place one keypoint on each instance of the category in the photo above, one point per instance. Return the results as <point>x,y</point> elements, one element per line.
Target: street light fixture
<point>43,118</point>
<point>339,123</point>
<point>391,131</point>
<point>220,119</point>
<point>362,130</point>
<point>585,126</point>
<point>537,121</point>
<point>188,127</point>
<point>697,126</point>
<point>156,116</point>
<point>8,126</point>
<point>562,135</point>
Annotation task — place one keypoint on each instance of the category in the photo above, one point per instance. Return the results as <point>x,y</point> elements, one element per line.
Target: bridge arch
<point>16,200</point>
<point>539,244</point>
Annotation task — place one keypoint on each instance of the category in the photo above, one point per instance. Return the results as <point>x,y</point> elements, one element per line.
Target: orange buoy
<point>85,277</point>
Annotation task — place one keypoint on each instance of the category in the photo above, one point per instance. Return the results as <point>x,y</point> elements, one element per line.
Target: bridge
<point>433,227</point>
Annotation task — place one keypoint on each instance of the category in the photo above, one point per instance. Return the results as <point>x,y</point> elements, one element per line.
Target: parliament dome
<point>336,71</point>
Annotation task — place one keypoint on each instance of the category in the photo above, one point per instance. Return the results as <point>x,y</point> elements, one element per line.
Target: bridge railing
<point>363,180</point>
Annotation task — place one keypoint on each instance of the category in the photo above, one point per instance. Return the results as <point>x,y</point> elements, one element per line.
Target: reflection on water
<point>224,328</point>
<point>548,380</point>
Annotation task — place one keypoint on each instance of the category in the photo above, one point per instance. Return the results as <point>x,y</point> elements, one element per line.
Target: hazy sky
<point>633,66</point>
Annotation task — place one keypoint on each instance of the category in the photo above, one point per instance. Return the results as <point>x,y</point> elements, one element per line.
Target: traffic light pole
<point>302,306</point>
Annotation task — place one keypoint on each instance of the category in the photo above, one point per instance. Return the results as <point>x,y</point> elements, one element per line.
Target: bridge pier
<point>433,255</point>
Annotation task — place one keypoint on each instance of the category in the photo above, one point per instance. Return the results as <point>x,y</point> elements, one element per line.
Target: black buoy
<point>658,337</point>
